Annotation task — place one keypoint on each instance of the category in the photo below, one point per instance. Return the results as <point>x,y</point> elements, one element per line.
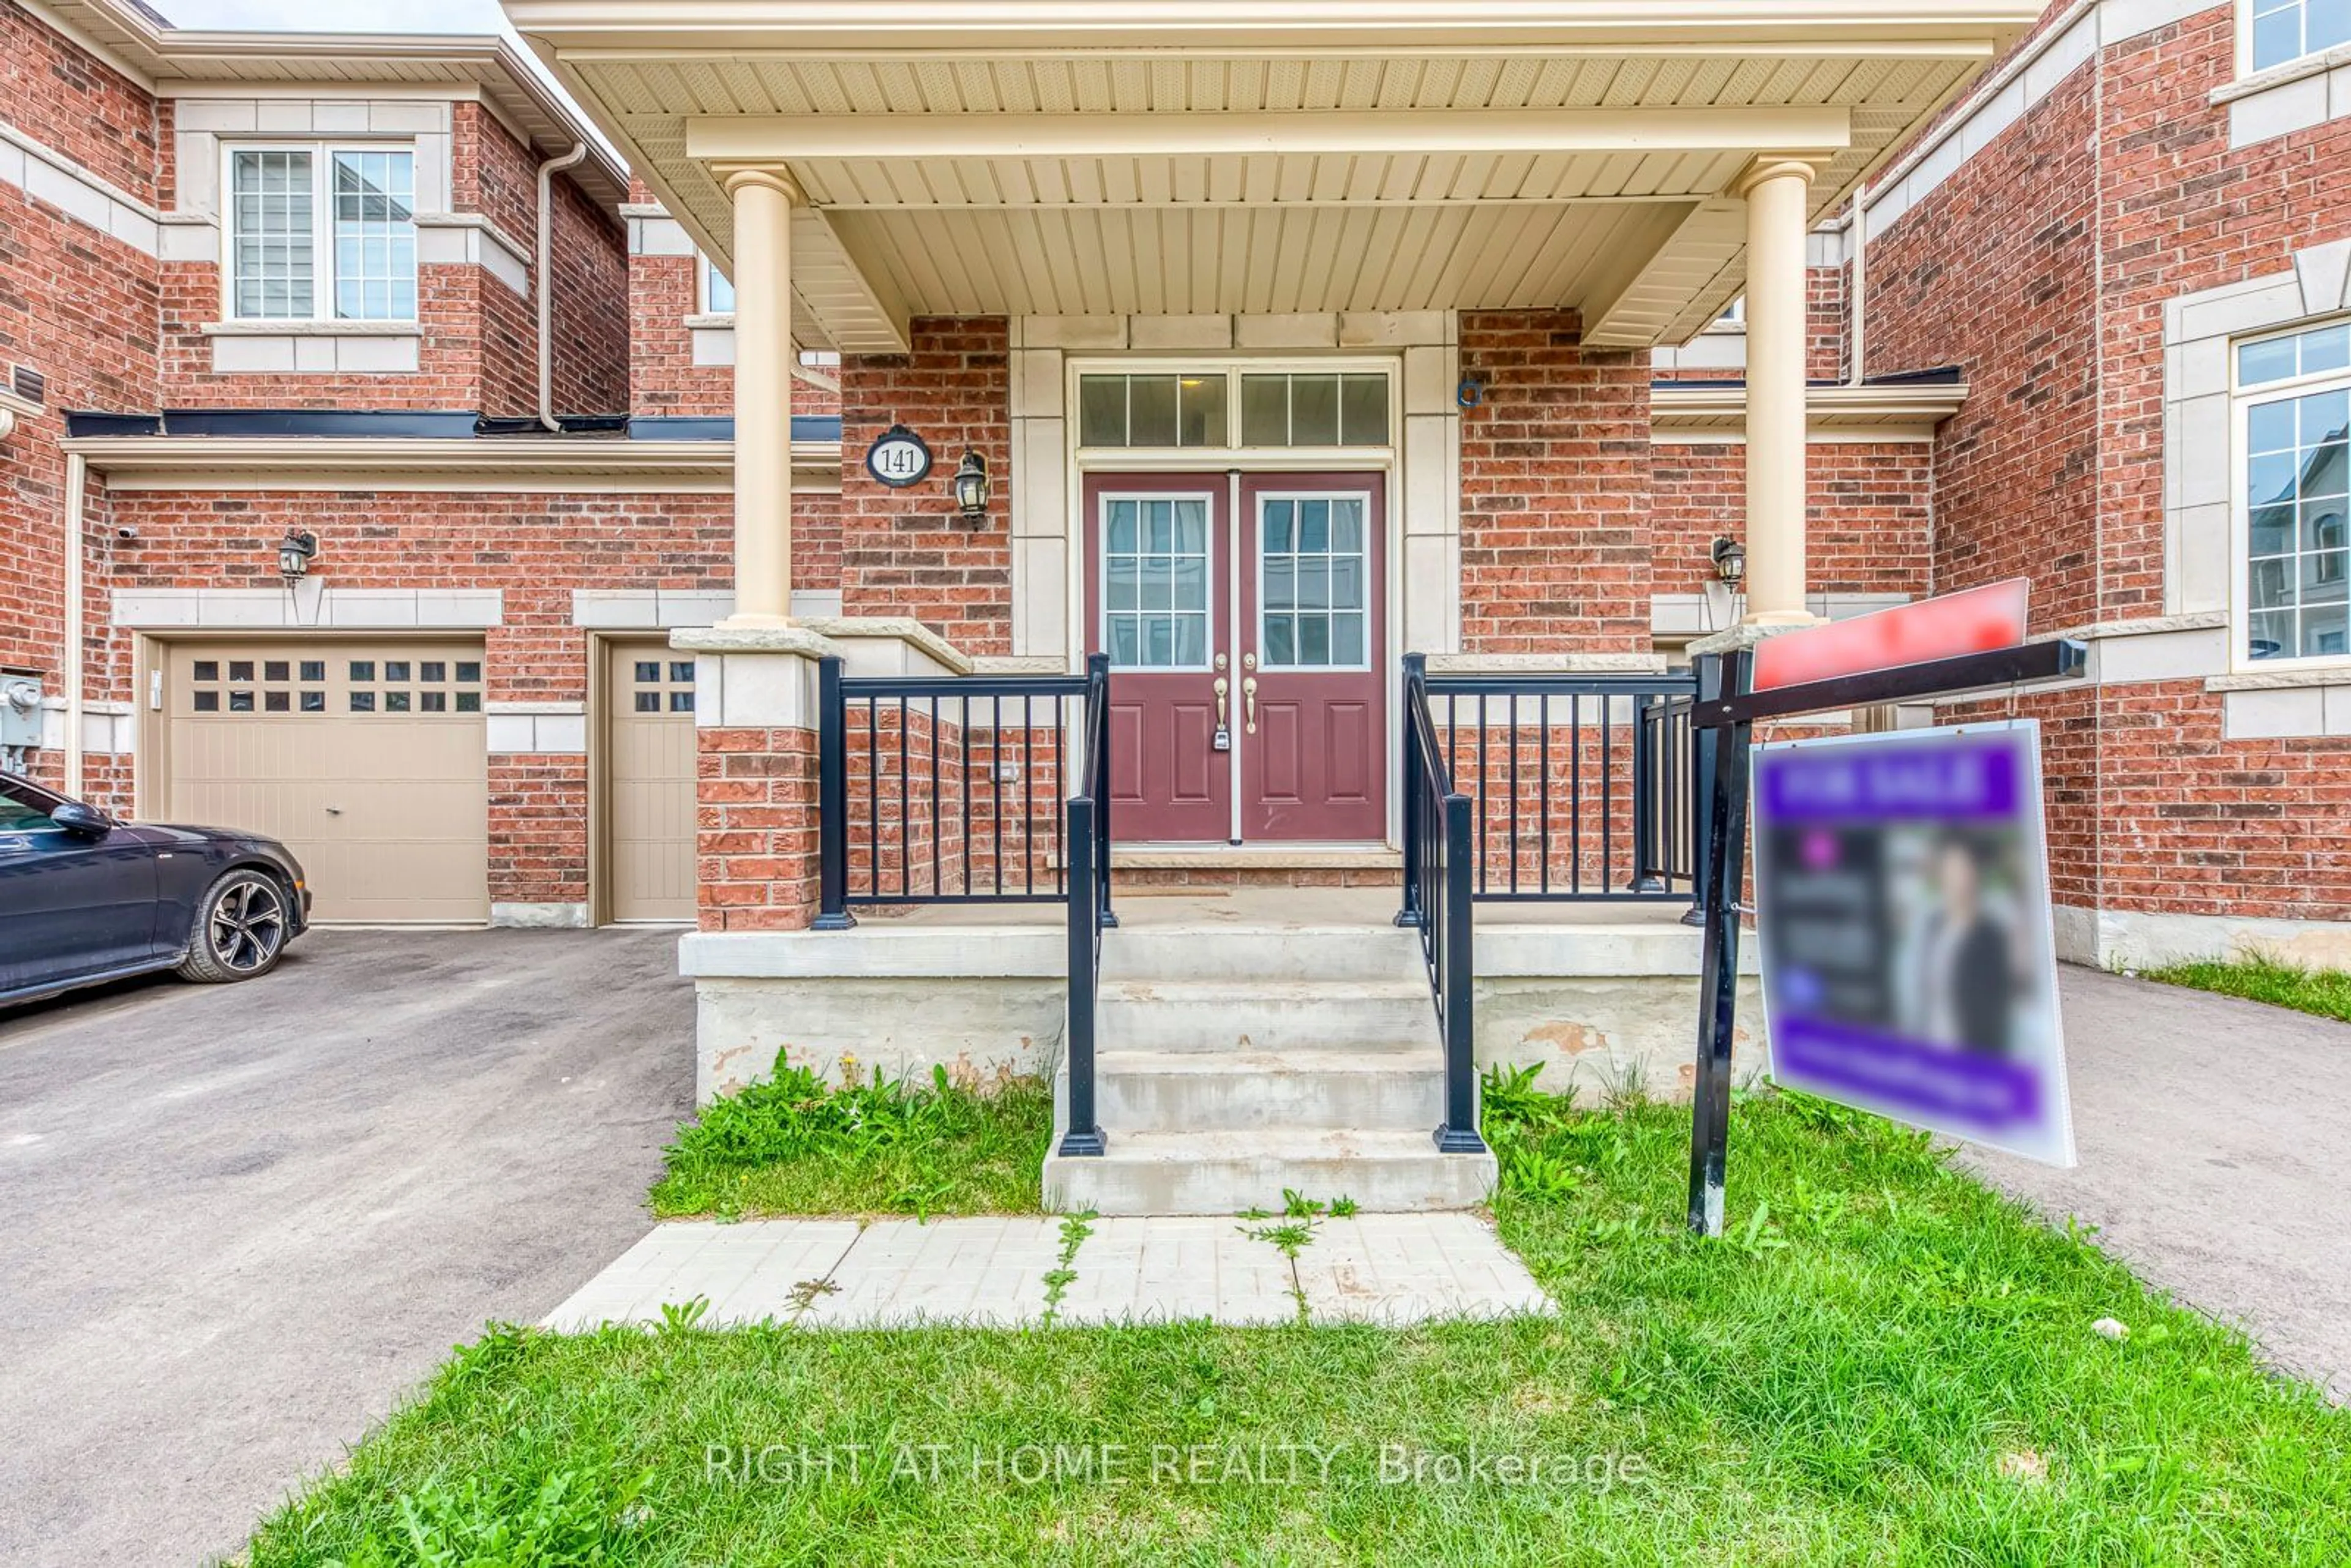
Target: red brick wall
<point>2181,212</point>
<point>907,552</point>
<point>756,800</point>
<point>1555,488</point>
<point>662,293</point>
<point>65,99</point>
<point>2016,488</point>
<point>1870,514</point>
<point>75,305</point>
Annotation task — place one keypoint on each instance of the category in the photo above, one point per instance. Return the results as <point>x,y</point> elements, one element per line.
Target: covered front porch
<point>1247,533</point>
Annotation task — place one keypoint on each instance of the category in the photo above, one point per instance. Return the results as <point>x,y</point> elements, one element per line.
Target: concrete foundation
<point>2131,938</point>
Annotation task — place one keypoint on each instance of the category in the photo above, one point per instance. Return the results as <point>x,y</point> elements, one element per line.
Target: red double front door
<point>1245,625</point>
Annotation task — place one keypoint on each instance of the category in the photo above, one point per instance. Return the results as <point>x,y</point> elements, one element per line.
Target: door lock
<point>1249,661</point>
<point>1248,701</point>
<point>1221,661</point>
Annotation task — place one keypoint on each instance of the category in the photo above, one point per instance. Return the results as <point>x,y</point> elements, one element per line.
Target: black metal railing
<point>1090,912</point>
<point>944,789</point>
<point>1438,887</point>
<point>1580,785</point>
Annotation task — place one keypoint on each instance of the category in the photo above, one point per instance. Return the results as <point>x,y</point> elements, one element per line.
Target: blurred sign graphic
<point>1976,620</point>
<point>1909,968</point>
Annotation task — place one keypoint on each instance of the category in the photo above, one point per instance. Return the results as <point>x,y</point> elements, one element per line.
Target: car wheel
<point>241,930</point>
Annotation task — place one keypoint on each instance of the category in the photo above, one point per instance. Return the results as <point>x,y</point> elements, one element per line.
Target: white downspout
<point>545,281</point>
<point>1857,309</point>
<point>71,657</point>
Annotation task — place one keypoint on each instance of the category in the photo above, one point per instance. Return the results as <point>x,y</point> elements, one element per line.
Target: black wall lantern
<point>295,551</point>
<point>1729,562</point>
<point>972,489</point>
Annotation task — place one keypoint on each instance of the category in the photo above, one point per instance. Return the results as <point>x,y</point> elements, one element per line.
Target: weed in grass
<point>804,1294</point>
<point>794,1143</point>
<point>2264,977</point>
<point>1296,1204</point>
<point>1075,1229</point>
<point>683,1317</point>
<point>1344,1208</point>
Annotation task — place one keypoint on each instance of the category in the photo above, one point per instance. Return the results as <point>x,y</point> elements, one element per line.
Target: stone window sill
<point>725,323</point>
<point>2276,76</point>
<point>2282,680</point>
<point>311,329</point>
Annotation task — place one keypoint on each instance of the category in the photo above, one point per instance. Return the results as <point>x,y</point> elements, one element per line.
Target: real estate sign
<point>1909,967</point>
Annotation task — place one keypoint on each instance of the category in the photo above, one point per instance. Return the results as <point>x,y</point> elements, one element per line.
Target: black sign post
<point>1727,711</point>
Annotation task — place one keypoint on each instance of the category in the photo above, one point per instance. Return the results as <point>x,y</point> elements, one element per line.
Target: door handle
<point>1248,697</point>
<point>334,811</point>
<point>1223,689</point>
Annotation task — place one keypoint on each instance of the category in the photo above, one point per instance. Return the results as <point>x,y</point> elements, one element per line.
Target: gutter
<point>546,280</point>
<point>71,657</point>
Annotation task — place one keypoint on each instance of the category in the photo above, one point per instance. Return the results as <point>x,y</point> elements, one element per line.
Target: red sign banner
<point>1977,620</point>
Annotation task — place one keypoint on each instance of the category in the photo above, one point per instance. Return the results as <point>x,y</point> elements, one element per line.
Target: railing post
<point>1085,1135</point>
<point>1646,815</point>
<point>1705,747</point>
<point>1098,730</point>
<point>832,799</point>
<point>1415,684</point>
<point>1460,1135</point>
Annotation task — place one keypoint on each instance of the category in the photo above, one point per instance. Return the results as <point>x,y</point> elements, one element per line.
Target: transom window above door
<point>1233,409</point>
<point>1156,574</point>
<point>321,234</point>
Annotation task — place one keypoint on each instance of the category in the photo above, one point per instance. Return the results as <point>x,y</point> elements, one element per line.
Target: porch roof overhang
<point>1179,157</point>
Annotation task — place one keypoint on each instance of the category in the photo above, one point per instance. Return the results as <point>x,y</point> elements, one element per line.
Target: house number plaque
<point>899,458</point>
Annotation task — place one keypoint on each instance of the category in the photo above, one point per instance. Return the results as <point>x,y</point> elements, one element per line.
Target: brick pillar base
<point>756,840</point>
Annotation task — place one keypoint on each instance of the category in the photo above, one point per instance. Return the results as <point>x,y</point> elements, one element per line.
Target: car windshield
<point>22,806</point>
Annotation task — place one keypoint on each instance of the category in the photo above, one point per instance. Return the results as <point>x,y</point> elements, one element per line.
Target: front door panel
<point>1158,560</point>
<point>1246,654</point>
<point>1313,746</point>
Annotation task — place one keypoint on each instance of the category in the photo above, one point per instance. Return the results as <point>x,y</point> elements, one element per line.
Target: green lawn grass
<point>791,1144</point>
<point>1885,1363</point>
<point>2325,992</point>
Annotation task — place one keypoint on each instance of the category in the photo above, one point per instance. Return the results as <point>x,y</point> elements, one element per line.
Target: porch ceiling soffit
<point>1058,157</point>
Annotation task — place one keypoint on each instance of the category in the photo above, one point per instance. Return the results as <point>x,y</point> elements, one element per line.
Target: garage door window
<point>661,686</point>
<point>369,686</point>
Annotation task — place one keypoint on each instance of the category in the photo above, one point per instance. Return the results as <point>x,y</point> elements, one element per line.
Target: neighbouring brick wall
<point>1825,325</point>
<point>906,552</point>
<point>2016,485</point>
<point>592,362</point>
<point>538,828</point>
<point>1555,489</point>
<point>664,291</point>
<point>76,304</point>
<point>2181,212</point>
<point>64,98</point>
<point>1870,514</point>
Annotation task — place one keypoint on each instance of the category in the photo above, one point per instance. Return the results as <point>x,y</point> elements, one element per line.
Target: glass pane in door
<point>1155,583</point>
<point>1312,604</point>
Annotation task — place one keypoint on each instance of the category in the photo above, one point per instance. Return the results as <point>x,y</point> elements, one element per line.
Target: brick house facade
<point>2017,409</point>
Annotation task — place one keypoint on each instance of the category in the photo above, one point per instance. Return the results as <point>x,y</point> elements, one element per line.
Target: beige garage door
<point>649,782</point>
<point>368,760</point>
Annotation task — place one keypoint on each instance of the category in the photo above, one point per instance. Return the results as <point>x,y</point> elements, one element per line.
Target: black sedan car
<point>85,898</point>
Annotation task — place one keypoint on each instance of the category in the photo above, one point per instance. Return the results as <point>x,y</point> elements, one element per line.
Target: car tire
<point>242,927</point>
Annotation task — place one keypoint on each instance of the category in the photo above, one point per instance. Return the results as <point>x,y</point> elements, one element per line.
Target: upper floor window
<point>2293,395</point>
<point>322,233</point>
<point>718,293</point>
<point>2286,30</point>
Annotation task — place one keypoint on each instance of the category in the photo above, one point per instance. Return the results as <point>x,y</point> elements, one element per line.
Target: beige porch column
<point>763,395</point>
<point>1778,213</point>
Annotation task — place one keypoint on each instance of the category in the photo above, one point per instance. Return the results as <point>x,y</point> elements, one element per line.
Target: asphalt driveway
<point>242,1222</point>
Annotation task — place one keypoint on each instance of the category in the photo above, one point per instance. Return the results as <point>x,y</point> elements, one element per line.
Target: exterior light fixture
<point>295,553</point>
<point>971,488</point>
<point>1730,561</point>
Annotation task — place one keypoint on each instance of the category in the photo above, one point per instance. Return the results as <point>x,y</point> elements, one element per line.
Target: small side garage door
<point>649,778</point>
<point>369,761</point>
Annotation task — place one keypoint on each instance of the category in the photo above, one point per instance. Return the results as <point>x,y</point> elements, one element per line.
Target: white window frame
<point>2245,66</point>
<point>704,274</point>
<point>322,231</point>
<point>2241,399</point>
<point>1371,583</point>
<point>1232,454</point>
<point>1216,579</point>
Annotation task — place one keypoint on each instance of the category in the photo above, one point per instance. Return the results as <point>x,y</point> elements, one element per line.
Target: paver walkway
<point>1387,1269</point>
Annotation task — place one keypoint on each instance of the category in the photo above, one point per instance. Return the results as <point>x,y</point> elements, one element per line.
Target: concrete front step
<point>1230,1172</point>
<point>1278,1016</point>
<point>1143,951</point>
<point>1201,1090</point>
